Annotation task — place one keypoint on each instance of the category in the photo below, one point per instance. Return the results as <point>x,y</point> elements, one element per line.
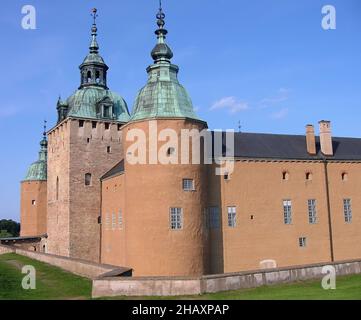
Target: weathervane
<point>94,14</point>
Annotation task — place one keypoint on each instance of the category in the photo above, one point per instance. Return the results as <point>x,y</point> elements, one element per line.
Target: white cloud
<point>232,104</point>
<point>283,95</point>
<point>280,114</point>
<point>6,112</point>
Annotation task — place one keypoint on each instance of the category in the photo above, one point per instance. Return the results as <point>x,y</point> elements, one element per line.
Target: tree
<point>9,228</point>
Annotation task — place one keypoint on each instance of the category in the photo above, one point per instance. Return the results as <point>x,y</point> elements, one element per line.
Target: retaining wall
<point>216,283</point>
<point>76,266</point>
<point>5,249</point>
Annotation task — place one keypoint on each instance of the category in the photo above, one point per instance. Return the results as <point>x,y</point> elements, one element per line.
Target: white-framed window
<point>347,209</point>
<point>176,218</point>
<point>188,184</point>
<point>214,217</point>
<point>232,217</point>
<point>287,211</point>
<point>302,242</point>
<point>312,213</point>
<point>120,219</point>
<point>114,221</point>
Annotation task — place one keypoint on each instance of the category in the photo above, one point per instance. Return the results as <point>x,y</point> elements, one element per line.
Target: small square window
<point>188,184</point>
<point>302,242</point>
<point>81,123</point>
<point>94,125</point>
<point>107,126</point>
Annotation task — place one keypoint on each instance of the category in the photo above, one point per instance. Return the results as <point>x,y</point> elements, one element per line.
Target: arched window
<point>89,76</point>
<point>309,176</point>
<point>88,179</point>
<point>97,77</point>
<point>57,188</point>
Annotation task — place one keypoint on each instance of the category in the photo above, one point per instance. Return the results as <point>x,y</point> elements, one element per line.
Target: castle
<point>289,200</point>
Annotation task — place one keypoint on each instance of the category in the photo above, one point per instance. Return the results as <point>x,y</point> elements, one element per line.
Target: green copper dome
<point>93,99</point>
<point>163,96</point>
<point>38,171</point>
<point>89,102</point>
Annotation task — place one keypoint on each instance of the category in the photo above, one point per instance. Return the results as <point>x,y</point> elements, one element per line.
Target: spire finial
<point>161,52</point>
<point>45,124</point>
<point>94,47</point>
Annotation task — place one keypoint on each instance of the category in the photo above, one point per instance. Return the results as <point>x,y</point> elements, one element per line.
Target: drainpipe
<point>327,182</point>
<point>101,222</point>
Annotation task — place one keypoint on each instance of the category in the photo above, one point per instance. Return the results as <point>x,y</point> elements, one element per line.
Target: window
<point>81,123</point>
<point>309,176</point>
<point>214,219</point>
<point>170,151</point>
<point>114,221</point>
<point>312,214</point>
<point>119,127</point>
<point>120,219</point>
<point>106,111</point>
<point>33,202</point>
<point>347,210</point>
<point>94,125</point>
<point>285,175</point>
<point>302,242</point>
<point>226,176</point>
<point>287,211</point>
<point>188,185</point>
<point>89,76</point>
<point>109,149</point>
<point>97,76</point>
<point>232,217</point>
<point>88,179</point>
<point>57,188</point>
<point>344,176</point>
<point>107,221</point>
<point>176,218</point>
<point>107,126</point>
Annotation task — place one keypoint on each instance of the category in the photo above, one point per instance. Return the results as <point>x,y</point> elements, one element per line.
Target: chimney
<point>326,138</point>
<point>311,140</point>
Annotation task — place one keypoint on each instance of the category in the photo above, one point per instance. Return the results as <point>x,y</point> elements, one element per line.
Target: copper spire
<point>161,52</point>
<point>94,47</point>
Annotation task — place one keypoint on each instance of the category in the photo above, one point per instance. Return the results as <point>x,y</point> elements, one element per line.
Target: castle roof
<point>38,171</point>
<point>292,147</point>
<point>163,96</point>
<point>93,99</point>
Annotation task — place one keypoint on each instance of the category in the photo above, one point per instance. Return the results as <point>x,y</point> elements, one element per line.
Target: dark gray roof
<point>116,170</point>
<point>292,147</point>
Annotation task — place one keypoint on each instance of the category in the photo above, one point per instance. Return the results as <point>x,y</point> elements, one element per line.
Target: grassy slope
<point>52,282</point>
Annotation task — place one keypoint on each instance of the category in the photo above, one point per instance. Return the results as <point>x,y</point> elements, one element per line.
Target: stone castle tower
<point>149,243</point>
<point>83,145</point>
<point>33,203</point>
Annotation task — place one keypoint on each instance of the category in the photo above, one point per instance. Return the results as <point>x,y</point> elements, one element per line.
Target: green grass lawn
<point>53,283</point>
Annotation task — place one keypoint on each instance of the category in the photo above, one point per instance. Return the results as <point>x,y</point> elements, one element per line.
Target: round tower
<point>165,197</point>
<point>33,206</point>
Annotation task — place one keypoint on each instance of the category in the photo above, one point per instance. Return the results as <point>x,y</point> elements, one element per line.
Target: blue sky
<point>266,63</point>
